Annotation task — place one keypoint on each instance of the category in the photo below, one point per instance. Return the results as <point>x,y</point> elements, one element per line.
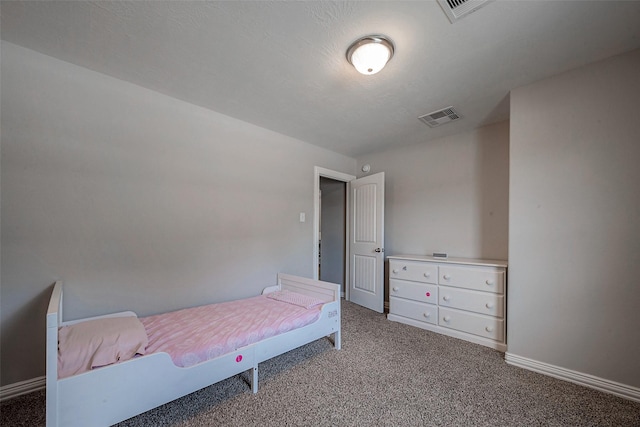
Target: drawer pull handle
<point>446,298</point>
<point>446,318</point>
<point>404,268</point>
<point>489,305</point>
<point>395,271</point>
<point>488,329</point>
<point>446,277</point>
<point>489,282</point>
<point>396,289</point>
<point>426,315</point>
<point>427,275</point>
<point>428,294</point>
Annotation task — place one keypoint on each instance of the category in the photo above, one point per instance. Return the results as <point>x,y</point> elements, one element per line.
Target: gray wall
<point>136,201</point>
<point>140,201</point>
<point>574,247</point>
<point>448,195</point>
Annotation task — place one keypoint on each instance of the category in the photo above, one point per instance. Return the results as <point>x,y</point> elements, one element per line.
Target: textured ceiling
<point>281,65</point>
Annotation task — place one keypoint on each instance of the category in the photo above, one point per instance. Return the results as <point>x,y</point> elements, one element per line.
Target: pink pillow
<point>99,342</point>
<point>295,298</point>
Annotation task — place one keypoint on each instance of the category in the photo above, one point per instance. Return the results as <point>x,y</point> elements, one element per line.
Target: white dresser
<point>460,297</point>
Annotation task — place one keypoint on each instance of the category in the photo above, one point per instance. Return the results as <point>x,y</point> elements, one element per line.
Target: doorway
<point>332,242</point>
<point>363,213</point>
<point>336,177</point>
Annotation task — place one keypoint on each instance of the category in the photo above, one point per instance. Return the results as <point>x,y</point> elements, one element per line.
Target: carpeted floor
<point>387,374</point>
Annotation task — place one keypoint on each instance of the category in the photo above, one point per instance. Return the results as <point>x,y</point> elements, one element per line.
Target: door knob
<point>379,250</point>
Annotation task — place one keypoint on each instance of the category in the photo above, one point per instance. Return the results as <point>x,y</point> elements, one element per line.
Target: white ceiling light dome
<point>370,54</point>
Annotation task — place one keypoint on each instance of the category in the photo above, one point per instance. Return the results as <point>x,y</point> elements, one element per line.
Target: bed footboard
<point>330,321</point>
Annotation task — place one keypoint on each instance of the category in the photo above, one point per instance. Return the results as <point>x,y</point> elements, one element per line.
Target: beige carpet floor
<point>387,374</point>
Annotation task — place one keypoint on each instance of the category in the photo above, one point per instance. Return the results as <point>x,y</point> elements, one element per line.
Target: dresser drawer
<point>480,279</point>
<point>477,324</point>
<point>423,292</point>
<point>480,302</point>
<point>414,271</point>
<point>421,311</point>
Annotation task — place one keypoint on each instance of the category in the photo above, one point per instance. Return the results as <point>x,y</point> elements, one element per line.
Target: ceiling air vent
<point>440,117</point>
<point>456,9</point>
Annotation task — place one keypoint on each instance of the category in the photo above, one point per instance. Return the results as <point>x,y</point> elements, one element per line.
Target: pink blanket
<point>195,335</point>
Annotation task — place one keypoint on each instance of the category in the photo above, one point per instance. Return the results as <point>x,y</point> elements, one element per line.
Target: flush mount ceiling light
<point>370,54</point>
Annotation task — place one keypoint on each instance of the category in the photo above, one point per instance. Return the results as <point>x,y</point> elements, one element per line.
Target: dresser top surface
<point>451,260</point>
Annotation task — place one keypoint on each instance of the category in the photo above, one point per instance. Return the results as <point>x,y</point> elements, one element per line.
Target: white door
<point>366,242</point>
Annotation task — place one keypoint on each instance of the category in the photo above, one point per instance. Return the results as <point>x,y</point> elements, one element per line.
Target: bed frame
<point>111,394</point>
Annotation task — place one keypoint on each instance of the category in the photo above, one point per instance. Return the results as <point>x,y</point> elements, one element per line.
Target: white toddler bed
<point>110,394</point>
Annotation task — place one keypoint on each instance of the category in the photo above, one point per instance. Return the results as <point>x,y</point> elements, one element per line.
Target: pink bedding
<point>194,335</point>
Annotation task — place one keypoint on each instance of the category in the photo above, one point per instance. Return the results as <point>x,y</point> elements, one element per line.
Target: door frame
<point>338,176</point>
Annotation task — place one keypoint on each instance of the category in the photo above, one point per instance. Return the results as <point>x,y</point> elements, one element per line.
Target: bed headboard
<point>54,312</point>
<point>54,319</point>
<point>325,291</point>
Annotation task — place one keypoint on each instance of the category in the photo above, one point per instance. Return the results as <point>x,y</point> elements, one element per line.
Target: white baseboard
<point>23,387</point>
<point>607,386</point>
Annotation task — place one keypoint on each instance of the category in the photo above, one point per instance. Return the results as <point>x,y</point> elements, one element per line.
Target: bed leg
<point>254,379</point>
<point>337,340</point>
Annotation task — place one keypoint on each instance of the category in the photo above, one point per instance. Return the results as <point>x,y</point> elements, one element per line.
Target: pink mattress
<point>195,335</point>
